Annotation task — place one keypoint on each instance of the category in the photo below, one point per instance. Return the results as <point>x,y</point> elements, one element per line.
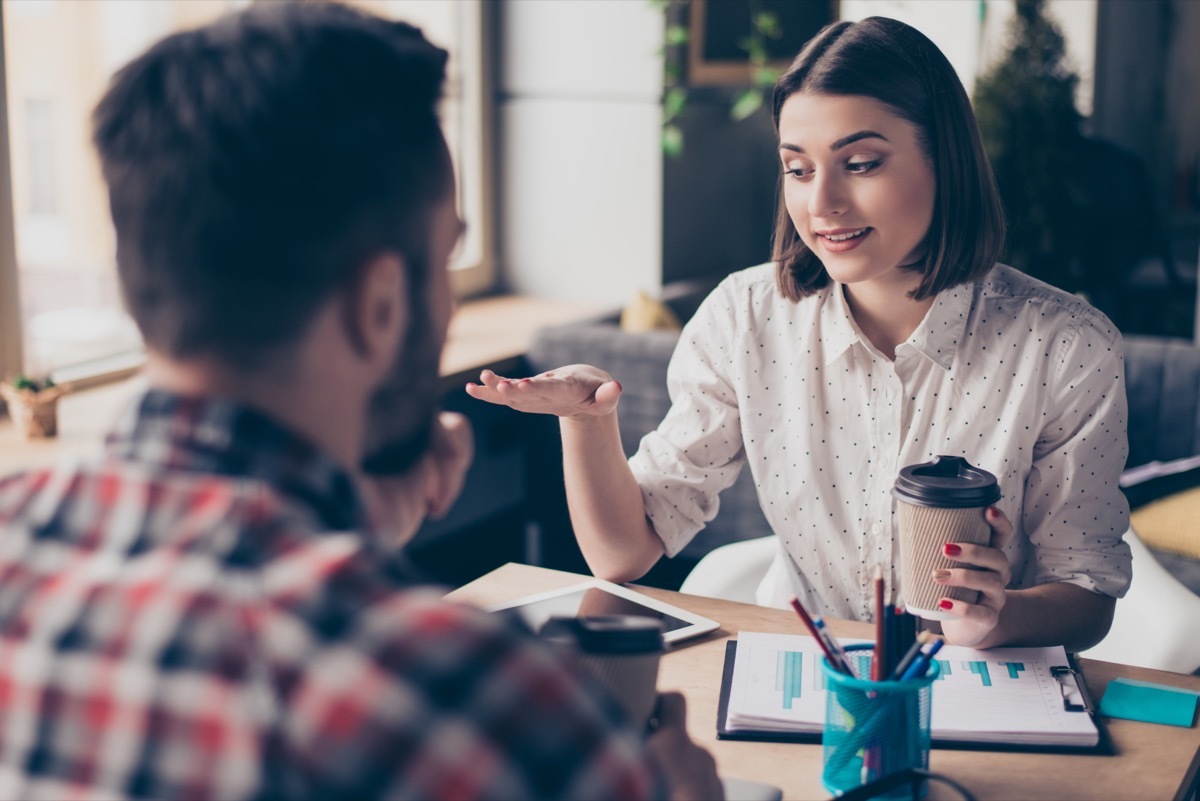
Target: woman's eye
<point>862,166</point>
<point>798,172</point>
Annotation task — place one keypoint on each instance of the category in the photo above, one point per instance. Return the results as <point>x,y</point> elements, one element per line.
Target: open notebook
<point>773,688</point>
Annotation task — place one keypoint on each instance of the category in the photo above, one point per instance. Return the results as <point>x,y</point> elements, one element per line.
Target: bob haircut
<point>897,65</point>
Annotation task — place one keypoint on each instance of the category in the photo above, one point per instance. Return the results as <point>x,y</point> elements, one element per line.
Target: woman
<point>883,334</point>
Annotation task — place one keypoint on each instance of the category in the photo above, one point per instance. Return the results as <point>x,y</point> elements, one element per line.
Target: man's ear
<point>376,311</point>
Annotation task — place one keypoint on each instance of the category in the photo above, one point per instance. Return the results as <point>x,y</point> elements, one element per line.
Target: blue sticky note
<point>1153,703</point>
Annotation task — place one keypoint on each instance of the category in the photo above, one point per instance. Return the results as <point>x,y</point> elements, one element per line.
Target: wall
<point>580,165</point>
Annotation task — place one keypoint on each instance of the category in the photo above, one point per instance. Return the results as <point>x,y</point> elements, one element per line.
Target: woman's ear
<point>376,308</point>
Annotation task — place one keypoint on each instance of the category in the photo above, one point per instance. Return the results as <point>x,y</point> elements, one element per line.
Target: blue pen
<point>920,665</point>
<point>835,648</point>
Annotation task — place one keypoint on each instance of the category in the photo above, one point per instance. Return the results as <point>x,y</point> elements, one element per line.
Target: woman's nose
<point>828,197</point>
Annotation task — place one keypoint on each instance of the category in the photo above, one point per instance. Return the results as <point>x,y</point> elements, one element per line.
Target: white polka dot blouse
<point>1019,378</point>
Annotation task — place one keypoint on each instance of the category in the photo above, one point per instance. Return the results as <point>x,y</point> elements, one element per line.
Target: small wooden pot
<point>34,414</point>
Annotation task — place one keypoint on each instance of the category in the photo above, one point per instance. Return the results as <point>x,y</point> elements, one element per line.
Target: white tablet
<point>599,597</point>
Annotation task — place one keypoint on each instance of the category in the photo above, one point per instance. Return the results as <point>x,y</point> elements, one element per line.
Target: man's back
<point>198,616</point>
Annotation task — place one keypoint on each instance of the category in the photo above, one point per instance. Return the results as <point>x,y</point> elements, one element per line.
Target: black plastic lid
<point>946,482</point>
<point>607,634</point>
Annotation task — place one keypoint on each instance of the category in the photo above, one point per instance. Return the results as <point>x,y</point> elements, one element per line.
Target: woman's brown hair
<point>897,65</point>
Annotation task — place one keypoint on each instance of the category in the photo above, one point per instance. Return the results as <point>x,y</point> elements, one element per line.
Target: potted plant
<point>1032,131</point>
<point>33,405</point>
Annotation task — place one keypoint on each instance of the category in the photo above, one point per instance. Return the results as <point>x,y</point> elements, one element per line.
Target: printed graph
<point>1014,669</point>
<point>980,669</point>
<point>789,674</point>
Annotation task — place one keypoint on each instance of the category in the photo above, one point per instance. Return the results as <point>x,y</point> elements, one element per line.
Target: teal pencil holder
<point>874,728</point>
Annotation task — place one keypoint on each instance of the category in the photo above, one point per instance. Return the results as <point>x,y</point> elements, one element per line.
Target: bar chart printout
<point>790,672</point>
<point>1004,695</point>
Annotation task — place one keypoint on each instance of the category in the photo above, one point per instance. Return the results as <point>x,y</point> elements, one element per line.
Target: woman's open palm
<point>574,391</point>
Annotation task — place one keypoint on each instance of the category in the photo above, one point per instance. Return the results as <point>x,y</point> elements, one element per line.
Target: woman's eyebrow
<point>854,137</point>
<point>840,143</point>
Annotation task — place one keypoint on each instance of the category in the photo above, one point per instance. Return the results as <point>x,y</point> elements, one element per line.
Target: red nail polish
<point>945,604</point>
<point>951,549</point>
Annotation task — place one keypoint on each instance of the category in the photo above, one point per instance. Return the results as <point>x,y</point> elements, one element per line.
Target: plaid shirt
<point>198,616</point>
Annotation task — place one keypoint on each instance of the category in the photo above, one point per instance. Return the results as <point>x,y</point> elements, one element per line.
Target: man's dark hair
<point>254,164</point>
<point>897,65</point>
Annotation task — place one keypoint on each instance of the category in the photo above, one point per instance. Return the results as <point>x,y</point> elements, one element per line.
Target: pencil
<point>817,635</point>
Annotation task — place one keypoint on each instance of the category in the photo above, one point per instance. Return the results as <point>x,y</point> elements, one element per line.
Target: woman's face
<point>857,185</point>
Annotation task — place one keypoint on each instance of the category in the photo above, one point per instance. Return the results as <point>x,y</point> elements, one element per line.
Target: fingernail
<point>951,549</point>
<point>946,604</point>
<point>941,574</point>
<point>619,387</point>
<point>993,511</point>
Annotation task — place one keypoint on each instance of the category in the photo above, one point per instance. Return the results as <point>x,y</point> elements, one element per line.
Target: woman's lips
<point>843,239</point>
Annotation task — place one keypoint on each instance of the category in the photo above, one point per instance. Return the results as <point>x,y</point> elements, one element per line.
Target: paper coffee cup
<point>620,653</point>
<point>940,501</point>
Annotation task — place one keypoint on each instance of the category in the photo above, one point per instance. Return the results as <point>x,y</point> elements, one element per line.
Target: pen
<point>911,654</point>
<point>838,653</point>
<point>921,664</point>
<point>830,654</point>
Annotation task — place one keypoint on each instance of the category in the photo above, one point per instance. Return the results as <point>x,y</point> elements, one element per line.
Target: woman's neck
<point>885,314</point>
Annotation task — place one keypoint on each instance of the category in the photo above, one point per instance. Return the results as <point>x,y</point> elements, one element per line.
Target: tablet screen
<point>591,601</point>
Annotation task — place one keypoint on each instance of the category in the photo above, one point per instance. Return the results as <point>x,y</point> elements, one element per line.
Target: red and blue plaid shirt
<point>199,615</point>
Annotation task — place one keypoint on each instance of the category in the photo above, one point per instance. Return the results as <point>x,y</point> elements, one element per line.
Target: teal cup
<point>874,728</point>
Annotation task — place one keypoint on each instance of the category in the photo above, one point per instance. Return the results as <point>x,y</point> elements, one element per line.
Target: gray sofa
<point>1162,381</point>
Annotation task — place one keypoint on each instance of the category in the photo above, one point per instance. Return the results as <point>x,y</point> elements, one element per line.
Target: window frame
<point>476,165</point>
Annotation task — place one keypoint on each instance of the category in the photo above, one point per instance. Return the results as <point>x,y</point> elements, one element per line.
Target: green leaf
<point>765,76</point>
<point>24,382</point>
<point>676,35</point>
<point>767,23</point>
<point>674,102</point>
<point>672,140</point>
<point>746,104</point>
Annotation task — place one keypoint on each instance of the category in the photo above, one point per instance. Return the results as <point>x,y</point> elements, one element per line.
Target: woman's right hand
<point>576,391</point>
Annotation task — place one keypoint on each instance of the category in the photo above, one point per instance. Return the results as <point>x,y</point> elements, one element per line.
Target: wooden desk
<point>1151,762</point>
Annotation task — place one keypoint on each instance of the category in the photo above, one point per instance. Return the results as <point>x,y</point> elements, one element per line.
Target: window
<point>60,308</point>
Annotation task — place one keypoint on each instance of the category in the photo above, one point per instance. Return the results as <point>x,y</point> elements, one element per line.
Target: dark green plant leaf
<point>767,23</point>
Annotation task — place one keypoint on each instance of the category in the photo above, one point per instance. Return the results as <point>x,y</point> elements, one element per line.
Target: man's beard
<point>402,411</point>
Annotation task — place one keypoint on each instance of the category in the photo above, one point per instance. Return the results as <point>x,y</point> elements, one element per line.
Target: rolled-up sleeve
<point>696,452</point>
<point>1075,513</point>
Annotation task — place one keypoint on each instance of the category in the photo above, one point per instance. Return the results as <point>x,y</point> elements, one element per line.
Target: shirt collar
<point>169,432</point>
<point>838,329</point>
<point>937,336</point>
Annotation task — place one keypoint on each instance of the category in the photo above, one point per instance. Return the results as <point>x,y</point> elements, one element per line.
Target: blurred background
<point>610,146</point>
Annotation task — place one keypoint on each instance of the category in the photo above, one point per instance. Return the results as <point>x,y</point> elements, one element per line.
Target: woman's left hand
<point>985,568</point>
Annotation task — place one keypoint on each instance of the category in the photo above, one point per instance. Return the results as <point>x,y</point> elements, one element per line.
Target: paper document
<point>1003,695</point>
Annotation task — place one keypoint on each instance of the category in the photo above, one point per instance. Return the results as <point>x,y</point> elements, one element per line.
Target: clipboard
<point>1076,700</point>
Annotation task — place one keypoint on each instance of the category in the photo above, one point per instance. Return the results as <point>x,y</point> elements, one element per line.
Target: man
<point>210,611</point>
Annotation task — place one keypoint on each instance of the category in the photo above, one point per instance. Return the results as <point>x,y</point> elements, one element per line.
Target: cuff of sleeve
<point>1106,573</point>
